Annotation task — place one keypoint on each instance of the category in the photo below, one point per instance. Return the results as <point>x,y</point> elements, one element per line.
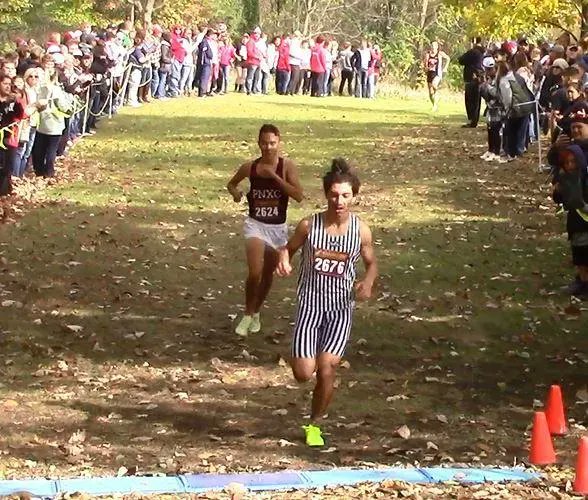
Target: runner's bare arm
<point>363,288</point>
<point>447,59</point>
<point>291,184</point>
<point>284,267</point>
<point>233,184</point>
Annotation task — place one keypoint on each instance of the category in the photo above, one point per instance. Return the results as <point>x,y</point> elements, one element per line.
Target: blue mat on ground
<point>267,481</point>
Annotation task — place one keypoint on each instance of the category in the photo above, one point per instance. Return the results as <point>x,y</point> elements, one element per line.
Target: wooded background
<point>401,27</point>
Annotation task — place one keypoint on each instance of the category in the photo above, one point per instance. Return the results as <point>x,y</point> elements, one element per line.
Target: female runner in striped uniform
<point>332,242</point>
<point>273,180</point>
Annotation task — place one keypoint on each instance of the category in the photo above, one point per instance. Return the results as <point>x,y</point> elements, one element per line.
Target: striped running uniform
<point>325,289</point>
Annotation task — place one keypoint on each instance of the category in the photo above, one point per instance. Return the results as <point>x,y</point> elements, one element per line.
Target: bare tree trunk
<point>423,18</point>
<point>148,13</point>
<point>308,5</point>
<point>584,20</point>
<point>422,24</point>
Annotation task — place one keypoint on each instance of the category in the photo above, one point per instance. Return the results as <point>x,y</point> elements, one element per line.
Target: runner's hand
<point>266,171</point>
<point>284,268</point>
<point>363,290</point>
<point>237,196</point>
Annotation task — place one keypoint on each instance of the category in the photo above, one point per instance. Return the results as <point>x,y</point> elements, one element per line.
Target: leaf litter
<point>154,367</point>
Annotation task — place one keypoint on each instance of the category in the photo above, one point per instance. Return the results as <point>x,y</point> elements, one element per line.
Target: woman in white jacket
<point>55,104</point>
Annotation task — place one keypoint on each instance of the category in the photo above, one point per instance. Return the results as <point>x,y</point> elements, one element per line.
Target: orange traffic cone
<point>554,411</point>
<point>542,452</point>
<point>581,481</point>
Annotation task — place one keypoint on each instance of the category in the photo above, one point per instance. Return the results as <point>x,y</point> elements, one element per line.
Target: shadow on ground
<point>120,297</point>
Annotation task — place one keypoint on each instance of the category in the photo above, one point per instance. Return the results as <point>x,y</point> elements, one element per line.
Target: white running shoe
<point>242,328</point>
<point>485,155</point>
<point>255,325</point>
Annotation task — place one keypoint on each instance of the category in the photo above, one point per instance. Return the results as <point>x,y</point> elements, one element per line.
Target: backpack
<point>523,100</point>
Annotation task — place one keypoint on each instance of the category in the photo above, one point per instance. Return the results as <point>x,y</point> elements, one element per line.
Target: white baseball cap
<point>488,62</point>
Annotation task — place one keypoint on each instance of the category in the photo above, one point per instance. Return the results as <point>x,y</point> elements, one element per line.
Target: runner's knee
<point>327,368</point>
<point>302,373</point>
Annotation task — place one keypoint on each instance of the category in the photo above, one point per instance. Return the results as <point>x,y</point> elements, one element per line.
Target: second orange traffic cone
<point>581,481</point>
<point>542,452</point>
<point>554,411</point>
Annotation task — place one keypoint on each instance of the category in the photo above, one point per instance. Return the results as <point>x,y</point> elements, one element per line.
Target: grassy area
<point>119,291</point>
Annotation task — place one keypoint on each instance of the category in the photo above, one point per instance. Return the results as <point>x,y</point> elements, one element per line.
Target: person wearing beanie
<point>560,63</point>
<point>551,82</point>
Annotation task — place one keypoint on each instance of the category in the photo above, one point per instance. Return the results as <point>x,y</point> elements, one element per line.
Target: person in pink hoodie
<point>374,71</point>
<point>253,61</point>
<point>318,67</point>
<point>227,56</point>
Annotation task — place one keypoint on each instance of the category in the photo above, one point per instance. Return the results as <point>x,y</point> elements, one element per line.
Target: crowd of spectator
<point>53,93</point>
<point>533,90</point>
<point>527,89</point>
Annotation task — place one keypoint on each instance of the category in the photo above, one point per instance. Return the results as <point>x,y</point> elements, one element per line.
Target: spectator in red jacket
<point>283,66</point>
<point>178,53</point>
<point>318,67</point>
<point>254,56</point>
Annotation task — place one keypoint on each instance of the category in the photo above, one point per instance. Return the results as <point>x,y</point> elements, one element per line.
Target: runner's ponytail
<point>341,172</point>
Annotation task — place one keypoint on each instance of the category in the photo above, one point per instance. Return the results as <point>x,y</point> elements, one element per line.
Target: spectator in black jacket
<point>204,64</point>
<point>472,69</point>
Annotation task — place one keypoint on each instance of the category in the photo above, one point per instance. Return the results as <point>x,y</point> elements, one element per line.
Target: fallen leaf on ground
<point>74,328</point>
<point>403,431</point>
<point>284,442</point>
<point>442,418</point>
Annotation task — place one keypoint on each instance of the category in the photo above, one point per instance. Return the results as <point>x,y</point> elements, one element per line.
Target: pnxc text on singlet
<point>268,203</point>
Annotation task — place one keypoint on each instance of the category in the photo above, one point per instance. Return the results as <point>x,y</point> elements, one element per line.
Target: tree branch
<point>557,25</point>
<point>576,6</point>
<point>137,4</point>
